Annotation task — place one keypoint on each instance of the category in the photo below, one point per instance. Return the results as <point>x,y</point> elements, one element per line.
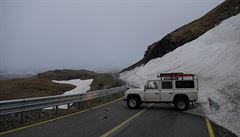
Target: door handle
<point>156,93</point>
<point>170,93</point>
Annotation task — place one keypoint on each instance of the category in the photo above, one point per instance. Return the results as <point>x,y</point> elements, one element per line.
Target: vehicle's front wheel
<point>181,104</point>
<point>133,102</point>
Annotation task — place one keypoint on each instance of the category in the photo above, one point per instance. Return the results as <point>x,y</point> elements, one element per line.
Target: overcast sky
<point>100,35</point>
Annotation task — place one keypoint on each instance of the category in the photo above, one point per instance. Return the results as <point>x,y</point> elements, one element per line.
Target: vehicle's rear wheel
<point>181,104</point>
<point>133,102</point>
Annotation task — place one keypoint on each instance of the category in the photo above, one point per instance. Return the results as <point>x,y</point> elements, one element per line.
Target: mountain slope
<point>100,80</point>
<point>42,84</point>
<point>189,31</point>
<point>215,58</point>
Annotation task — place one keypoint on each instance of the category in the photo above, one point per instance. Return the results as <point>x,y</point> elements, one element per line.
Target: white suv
<point>176,88</point>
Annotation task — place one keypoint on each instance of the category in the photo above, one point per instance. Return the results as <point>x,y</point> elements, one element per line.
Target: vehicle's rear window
<point>167,85</point>
<point>185,84</point>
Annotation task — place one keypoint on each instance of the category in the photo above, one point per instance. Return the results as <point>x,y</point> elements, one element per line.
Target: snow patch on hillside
<point>215,58</point>
<point>82,86</point>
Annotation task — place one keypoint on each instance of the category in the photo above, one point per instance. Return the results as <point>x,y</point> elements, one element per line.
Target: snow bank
<point>215,58</point>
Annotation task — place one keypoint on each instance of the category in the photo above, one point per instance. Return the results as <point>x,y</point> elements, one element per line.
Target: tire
<point>181,104</point>
<point>133,102</point>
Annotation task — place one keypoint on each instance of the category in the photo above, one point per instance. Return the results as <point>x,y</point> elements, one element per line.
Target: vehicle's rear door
<point>166,90</point>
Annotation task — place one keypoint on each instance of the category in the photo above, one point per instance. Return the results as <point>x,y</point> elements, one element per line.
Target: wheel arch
<point>177,96</point>
<point>134,95</point>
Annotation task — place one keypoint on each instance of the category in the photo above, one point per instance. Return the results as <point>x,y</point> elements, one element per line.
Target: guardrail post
<point>56,110</point>
<point>108,96</point>
<point>22,118</point>
<point>39,113</point>
<point>68,106</point>
<point>78,105</point>
<point>88,103</point>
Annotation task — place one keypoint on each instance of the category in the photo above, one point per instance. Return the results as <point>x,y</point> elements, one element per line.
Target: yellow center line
<point>61,117</point>
<point>124,123</point>
<point>209,126</point>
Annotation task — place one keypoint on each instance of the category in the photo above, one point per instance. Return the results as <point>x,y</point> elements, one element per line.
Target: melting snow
<point>215,58</point>
<point>82,86</point>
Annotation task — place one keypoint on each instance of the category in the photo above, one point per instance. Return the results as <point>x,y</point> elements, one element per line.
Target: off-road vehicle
<point>176,88</point>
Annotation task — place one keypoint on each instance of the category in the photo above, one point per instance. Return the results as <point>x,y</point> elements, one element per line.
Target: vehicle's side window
<point>152,85</point>
<point>185,84</point>
<point>166,84</point>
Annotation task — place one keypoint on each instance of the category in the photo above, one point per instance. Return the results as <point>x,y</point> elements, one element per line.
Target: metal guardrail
<point>22,105</point>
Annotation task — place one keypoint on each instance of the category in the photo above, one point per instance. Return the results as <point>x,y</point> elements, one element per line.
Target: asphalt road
<point>115,119</point>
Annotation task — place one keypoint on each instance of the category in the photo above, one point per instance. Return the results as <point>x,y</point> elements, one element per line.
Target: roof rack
<point>174,76</point>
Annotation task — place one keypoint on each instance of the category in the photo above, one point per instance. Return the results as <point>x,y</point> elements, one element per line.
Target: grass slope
<point>42,85</point>
<point>30,87</point>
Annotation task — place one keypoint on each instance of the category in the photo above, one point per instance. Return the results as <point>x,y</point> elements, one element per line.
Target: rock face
<point>189,31</point>
<point>105,81</point>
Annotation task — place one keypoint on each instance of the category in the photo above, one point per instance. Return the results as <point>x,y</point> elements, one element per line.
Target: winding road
<point>115,119</point>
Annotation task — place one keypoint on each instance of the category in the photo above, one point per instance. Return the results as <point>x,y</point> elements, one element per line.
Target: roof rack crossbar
<point>174,75</point>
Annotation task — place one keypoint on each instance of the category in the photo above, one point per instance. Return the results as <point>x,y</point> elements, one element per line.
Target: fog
<point>107,35</point>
